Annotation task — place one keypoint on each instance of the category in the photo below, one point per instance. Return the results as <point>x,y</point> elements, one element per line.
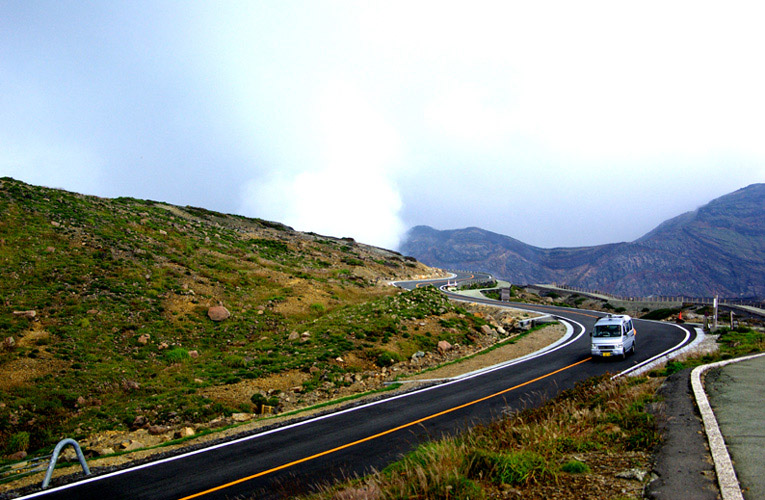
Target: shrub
<point>176,355</point>
<point>511,468</point>
<point>386,358</point>
<point>317,308</point>
<point>17,442</point>
<point>575,467</point>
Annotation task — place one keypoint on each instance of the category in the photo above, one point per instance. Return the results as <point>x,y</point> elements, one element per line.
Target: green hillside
<point>105,318</point>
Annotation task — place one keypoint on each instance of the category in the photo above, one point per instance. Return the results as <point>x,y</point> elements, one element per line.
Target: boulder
<point>19,455</point>
<point>444,346</point>
<point>184,433</point>
<point>131,445</point>
<point>140,421</point>
<point>156,430</point>
<point>218,313</point>
<point>25,314</point>
<point>487,330</point>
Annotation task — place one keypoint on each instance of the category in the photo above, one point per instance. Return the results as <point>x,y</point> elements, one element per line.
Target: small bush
<point>176,355</point>
<point>511,468</point>
<point>17,442</point>
<point>575,467</point>
<point>317,308</point>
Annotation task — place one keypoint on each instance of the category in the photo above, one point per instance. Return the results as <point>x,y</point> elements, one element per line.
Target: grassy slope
<point>102,273</point>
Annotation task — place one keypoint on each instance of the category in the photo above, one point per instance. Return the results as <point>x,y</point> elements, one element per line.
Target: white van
<point>613,335</point>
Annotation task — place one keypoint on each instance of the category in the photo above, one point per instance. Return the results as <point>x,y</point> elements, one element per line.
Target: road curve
<point>357,440</point>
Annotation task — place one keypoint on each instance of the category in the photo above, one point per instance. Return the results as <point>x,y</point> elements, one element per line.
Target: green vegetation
<point>660,314</point>
<point>479,285</point>
<point>598,418</point>
<point>731,344</point>
<point>121,288</point>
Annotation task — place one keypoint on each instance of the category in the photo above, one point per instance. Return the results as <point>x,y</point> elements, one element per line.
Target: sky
<point>558,123</point>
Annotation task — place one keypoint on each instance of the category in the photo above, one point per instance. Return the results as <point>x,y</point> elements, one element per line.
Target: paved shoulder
<point>683,466</point>
<point>736,393</point>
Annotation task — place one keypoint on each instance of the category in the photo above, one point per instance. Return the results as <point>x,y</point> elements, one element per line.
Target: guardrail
<point>659,298</point>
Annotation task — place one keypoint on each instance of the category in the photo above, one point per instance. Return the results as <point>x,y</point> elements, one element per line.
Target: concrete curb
<point>726,474</point>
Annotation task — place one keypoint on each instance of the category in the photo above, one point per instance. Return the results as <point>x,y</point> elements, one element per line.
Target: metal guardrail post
<point>54,457</point>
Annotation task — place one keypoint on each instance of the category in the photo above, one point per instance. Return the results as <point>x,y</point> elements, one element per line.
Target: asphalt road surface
<point>297,457</point>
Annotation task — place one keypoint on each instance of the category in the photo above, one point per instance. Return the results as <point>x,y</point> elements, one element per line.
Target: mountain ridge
<point>718,248</point>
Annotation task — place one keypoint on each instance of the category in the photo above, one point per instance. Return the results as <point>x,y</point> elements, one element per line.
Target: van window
<point>608,331</point>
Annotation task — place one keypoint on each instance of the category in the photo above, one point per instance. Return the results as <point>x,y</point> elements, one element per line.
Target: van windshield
<point>608,331</point>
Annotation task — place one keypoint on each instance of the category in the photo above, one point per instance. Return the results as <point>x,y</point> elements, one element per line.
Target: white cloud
<point>349,190</point>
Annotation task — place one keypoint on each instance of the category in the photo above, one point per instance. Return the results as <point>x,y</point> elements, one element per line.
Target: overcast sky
<point>556,123</point>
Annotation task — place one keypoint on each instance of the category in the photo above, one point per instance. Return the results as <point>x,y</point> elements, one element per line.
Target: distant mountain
<point>719,248</point>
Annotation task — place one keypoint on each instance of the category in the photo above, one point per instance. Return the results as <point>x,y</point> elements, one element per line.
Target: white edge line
<point>304,422</point>
<point>670,353</point>
<point>726,474</point>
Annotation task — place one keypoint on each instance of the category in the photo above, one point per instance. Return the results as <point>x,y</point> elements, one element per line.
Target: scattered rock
<point>140,421</point>
<point>293,336</point>
<point>144,339</point>
<point>633,474</point>
<point>25,314</point>
<point>194,354</point>
<point>163,232</point>
<point>487,330</point>
<point>163,346</point>
<point>444,346</point>
<point>241,417</point>
<point>313,369</point>
<point>218,313</point>
<point>131,445</point>
<point>184,433</point>
<point>339,359</point>
<point>9,343</point>
<point>103,451</point>
<point>19,455</point>
<point>130,385</point>
<point>418,355</point>
<point>50,249</point>
<point>156,430</point>
<point>55,224</point>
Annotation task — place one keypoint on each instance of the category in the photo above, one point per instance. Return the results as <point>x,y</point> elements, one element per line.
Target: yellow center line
<point>375,436</point>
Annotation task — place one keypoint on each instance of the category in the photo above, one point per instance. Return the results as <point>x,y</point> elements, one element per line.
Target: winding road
<point>354,441</point>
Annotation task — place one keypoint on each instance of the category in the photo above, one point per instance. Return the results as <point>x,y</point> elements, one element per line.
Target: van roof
<point>613,318</point>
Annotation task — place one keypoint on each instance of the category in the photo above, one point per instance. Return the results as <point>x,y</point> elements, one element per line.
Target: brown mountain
<point>716,249</point>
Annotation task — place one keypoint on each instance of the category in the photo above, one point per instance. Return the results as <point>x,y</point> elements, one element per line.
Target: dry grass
<point>596,429</point>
